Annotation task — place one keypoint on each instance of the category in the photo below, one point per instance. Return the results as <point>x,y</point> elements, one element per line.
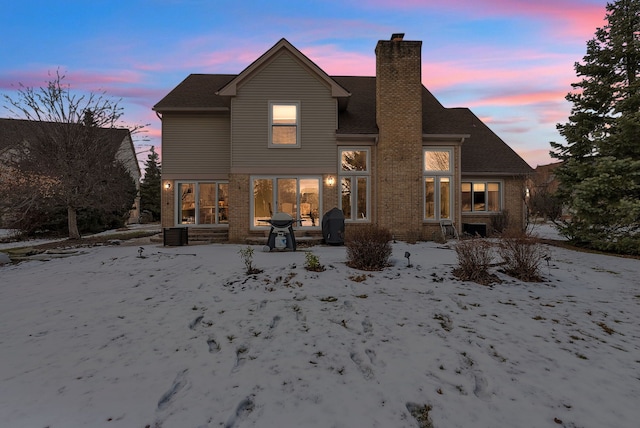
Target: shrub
<point>474,260</point>
<point>500,222</point>
<point>522,255</point>
<point>368,247</point>
<point>246,254</point>
<point>311,262</point>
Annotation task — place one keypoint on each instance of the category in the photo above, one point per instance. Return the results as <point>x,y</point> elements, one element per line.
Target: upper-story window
<point>284,119</point>
<point>437,161</point>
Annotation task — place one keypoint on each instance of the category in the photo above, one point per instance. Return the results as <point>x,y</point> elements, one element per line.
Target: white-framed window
<point>300,197</point>
<point>354,172</point>
<point>481,196</point>
<point>284,124</point>
<point>202,203</point>
<point>438,183</point>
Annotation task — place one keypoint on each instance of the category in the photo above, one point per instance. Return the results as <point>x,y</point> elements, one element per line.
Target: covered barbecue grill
<point>281,235</point>
<point>333,227</point>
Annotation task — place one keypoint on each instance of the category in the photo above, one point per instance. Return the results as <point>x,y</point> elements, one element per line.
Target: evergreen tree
<point>600,174</point>
<point>150,187</point>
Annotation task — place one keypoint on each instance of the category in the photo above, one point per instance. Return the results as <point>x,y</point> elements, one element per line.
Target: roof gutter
<point>458,138</point>
<point>369,138</point>
<point>190,109</point>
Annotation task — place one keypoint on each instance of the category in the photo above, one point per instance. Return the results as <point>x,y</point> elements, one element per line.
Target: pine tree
<point>150,186</point>
<point>600,174</point>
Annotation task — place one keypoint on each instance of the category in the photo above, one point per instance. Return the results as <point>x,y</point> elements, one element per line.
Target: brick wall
<point>239,205</point>
<point>167,199</point>
<point>398,189</point>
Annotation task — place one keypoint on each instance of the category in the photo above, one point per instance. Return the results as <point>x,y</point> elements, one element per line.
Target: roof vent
<point>397,37</point>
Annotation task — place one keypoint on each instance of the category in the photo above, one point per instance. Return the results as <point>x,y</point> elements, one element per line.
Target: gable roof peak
<point>230,89</point>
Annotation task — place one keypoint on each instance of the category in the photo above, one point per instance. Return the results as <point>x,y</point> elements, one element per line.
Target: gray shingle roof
<point>196,92</point>
<point>483,152</point>
<point>16,131</point>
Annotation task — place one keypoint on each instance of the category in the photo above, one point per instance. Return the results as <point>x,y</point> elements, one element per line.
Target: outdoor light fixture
<point>407,255</point>
<point>167,185</point>
<point>331,181</point>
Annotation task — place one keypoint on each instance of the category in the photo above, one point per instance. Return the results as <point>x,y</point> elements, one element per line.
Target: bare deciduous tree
<point>73,141</point>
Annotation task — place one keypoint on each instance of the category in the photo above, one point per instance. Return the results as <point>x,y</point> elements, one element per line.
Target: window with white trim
<point>297,196</point>
<point>284,123</point>
<point>438,183</point>
<point>202,203</point>
<point>354,177</point>
<point>481,196</point>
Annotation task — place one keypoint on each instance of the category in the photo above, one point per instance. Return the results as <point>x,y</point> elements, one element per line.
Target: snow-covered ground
<point>182,337</point>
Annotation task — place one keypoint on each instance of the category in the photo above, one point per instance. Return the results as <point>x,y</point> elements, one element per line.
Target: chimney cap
<point>397,37</point>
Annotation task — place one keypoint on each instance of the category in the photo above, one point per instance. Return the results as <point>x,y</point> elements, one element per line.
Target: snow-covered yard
<point>182,337</point>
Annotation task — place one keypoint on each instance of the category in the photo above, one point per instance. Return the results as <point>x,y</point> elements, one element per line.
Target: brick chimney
<point>399,152</point>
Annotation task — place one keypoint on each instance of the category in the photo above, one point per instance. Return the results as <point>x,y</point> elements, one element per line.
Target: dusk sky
<point>510,61</point>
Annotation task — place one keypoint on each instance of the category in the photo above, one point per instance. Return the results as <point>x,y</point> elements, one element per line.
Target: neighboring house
<point>542,186</point>
<point>14,132</point>
<point>544,178</point>
<point>285,136</point>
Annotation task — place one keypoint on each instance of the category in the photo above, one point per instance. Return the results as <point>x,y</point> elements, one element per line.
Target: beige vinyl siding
<point>196,144</point>
<point>127,156</point>
<point>284,79</point>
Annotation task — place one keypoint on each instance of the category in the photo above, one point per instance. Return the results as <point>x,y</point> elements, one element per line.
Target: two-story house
<point>284,136</point>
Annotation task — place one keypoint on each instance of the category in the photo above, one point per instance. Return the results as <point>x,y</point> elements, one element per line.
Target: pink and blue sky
<point>510,61</point>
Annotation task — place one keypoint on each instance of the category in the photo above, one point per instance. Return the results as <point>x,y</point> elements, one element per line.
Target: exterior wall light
<point>167,185</point>
<point>331,181</point>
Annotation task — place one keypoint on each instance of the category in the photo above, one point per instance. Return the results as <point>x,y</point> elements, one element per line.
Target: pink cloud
<point>502,121</point>
<point>532,68</point>
<point>338,62</point>
<point>519,99</point>
<point>80,79</point>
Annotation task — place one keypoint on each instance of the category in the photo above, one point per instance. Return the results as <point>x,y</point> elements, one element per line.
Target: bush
<point>522,255</point>
<point>246,254</point>
<point>312,262</point>
<point>500,222</point>
<point>474,260</point>
<point>368,247</point>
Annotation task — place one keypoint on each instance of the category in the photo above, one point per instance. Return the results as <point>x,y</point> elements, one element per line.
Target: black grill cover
<point>333,227</point>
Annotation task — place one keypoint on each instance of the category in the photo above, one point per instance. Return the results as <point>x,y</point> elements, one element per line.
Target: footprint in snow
<point>243,409</point>
<point>367,327</point>
<point>241,357</point>
<point>366,371</point>
<point>274,322</point>
<point>373,358</point>
<point>195,322</point>
<point>179,383</point>
<point>214,346</point>
<point>480,389</point>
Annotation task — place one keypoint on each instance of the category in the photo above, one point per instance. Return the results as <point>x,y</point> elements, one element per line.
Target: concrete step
<point>201,235</point>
